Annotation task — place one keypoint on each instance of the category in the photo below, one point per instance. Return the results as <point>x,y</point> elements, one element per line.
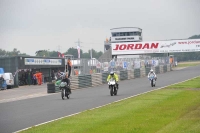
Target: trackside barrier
<point>147,70</point>
<point>104,77</point>
<point>157,69</point>
<point>137,73</point>
<point>123,75</point>
<point>165,68</point>
<point>169,68</point>
<point>130,74</point>
<point>142,72</point>
<point>118,73</point>
<point>74,83</point>
<point>84,81</point>
<point>161,69</point>
<point>96,79</point>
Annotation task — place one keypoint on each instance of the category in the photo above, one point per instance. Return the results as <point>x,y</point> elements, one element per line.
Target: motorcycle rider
<point>151,72</point>
<point>114,76</point>
<point>60,75</point>
<point>66,79</point>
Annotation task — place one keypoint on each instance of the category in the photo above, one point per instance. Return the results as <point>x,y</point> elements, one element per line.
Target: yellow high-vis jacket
<point>115,76</point>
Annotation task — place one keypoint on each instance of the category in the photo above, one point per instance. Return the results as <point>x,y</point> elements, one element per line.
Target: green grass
<point>175,109</point>
<point>188,64</point>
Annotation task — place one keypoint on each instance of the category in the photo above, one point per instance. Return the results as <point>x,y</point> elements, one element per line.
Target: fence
<point>95,79</point>
<point>91,66</point>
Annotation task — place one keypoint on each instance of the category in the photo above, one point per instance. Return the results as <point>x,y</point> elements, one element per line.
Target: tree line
<point>45,53</point>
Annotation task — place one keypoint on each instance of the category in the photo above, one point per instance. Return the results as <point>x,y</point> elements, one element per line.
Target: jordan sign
<point>127,48</point>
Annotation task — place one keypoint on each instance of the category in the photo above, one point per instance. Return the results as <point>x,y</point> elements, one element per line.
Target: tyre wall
<point>96,79</point>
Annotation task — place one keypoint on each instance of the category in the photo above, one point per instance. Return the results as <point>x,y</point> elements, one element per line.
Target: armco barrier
<point>118,73</point>
<point>96,79</point>
<point>142,72</point>
<point>147,70</point>
<point>157,69</point>
<point>130,74</point>
<point>74,83</point>
<point>137,73</point>
<point>161,68</point>
<point>165,68</point>
<point>123,75</point>
<point>84,81</point>
<point>169,68</point>
<point>104,77</point>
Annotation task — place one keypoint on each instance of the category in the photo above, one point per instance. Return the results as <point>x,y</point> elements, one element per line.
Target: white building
<point>126,34</point>
<point>120,35</point>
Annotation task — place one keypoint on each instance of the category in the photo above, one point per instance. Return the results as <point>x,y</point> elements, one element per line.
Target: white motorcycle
<point>113,87</point>
<point>152,80</point>
<point>65,90</point>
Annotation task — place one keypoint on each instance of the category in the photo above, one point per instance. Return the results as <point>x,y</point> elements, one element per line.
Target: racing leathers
<point>115,77</point>
<point>68,83</point>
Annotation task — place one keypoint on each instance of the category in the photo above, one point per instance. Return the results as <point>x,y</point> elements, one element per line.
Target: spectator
<point>1,82</point>
<point>23,77</point>
<point>52,75</point>
<point>29,77</point>
<point>34,79</point>
<point>69,67</point>
<point>39,78</point>
<point>26,77</point>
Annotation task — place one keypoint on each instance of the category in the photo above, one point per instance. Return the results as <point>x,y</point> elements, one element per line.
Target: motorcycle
<point>152,81</point>
<point>65,90</point>
<point>113,87</point>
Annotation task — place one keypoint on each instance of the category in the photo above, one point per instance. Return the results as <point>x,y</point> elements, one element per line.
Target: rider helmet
<point>111,73</point>
<point>151,70</point>
<point>63,75</point>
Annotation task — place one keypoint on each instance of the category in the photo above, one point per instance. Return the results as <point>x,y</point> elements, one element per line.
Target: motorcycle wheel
<point>152,83</point>
<point>115,91</point>
<point>67,96</point>
<point>68,93</point>
<point>111,90</point>
<point>62,94</point>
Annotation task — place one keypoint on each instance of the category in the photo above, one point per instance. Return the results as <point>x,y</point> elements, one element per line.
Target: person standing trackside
<point>1,82</point>
<point>52,75</point>
<point>69,67</point>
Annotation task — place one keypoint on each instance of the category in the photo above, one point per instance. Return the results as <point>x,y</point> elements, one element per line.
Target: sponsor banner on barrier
<point>190,45</point>
<point>38,61</point>
<point>136,64</point>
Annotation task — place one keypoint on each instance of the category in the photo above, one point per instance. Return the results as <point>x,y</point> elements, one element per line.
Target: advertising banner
<point>38,61</point>
<point>137,64</point>
<point>190,45</point>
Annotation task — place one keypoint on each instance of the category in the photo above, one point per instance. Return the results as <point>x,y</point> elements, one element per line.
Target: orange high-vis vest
<point>69,63</point>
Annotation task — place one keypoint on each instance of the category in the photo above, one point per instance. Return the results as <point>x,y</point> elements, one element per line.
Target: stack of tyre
<point>50,87</point>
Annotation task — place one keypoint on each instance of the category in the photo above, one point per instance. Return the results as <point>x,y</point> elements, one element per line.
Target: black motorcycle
<point>65,90</point>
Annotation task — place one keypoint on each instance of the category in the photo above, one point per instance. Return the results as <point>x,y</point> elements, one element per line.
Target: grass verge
<point>173,109</point>
<point>188,64</point>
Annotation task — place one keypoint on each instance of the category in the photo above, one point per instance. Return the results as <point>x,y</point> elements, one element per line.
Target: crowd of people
<point>30,78</point>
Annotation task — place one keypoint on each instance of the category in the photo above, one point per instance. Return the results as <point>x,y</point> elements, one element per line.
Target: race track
<point>17,115</point>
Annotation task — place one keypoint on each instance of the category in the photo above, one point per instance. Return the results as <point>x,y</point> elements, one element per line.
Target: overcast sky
<point>31,25</point>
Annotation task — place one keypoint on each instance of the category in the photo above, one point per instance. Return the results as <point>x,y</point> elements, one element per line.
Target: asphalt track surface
<point>20,114</point>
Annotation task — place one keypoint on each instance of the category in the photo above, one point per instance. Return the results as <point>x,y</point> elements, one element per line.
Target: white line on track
<point>102,105</point>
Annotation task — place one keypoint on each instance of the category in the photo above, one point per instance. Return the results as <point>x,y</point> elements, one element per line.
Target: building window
<point>117,34</point>
<point>114,34</point>
<point>131,34</point>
